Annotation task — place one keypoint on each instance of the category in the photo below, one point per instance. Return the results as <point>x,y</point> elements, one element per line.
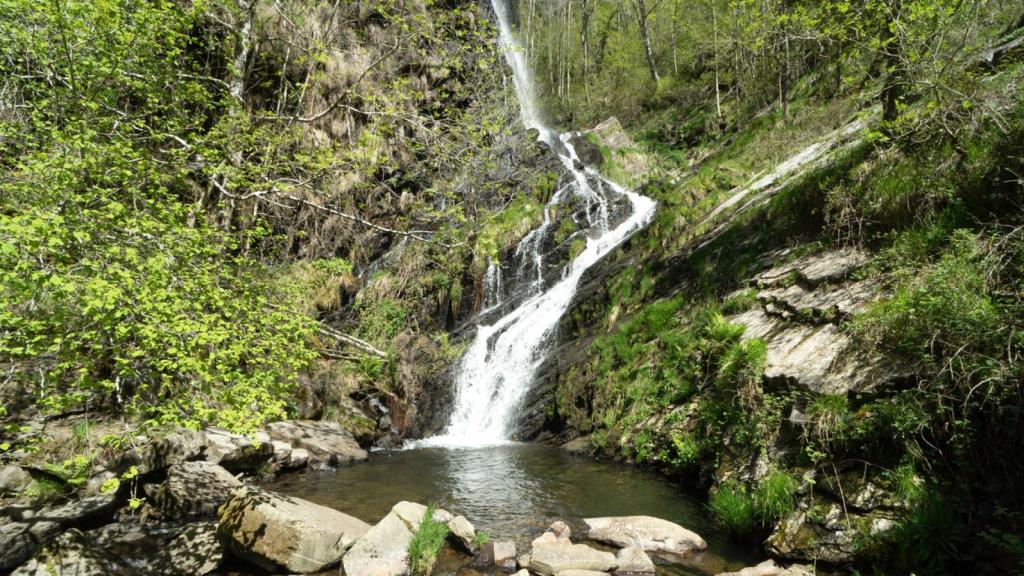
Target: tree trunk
<point>640,7</point>
<point>892,56</point>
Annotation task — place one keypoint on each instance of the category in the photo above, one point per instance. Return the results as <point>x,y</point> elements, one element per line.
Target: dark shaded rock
<point>194,489</point>
<point>70,554</point>
<point>160,453</point>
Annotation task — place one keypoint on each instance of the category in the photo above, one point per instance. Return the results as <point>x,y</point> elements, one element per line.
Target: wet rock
<point>633,560</point>
<point>646,532</point>
<point>13,479</point>
<point>770,568</point>
<point>549,559</point>
<point>235,452</point>
<point>70,554</point>
<point>274,530</point>
<point>326,442</point>
<point>194,489</point>
<point>461,531</point>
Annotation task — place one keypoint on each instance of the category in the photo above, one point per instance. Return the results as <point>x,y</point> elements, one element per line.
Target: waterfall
<point>497,371</point>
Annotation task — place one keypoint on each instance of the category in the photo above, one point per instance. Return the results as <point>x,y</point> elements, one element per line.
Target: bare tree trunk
<point>640,7</point>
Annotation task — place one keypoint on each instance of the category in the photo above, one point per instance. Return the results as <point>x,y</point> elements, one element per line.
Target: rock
<point>274,530</point>
<point>820,531</point>
<point>581,573</point>
<point>523,572</point>
<point>326,441</point>
<point>770,568</point>
<point>288,458</point>
<point>16,544</point>
<point>505,555</point>
<point>579,446</point>
<point>158,454</point>
<point>822,359</point>
<point>71,554</point>
<point>633,560</point>
<point>194,489</point>
<point>545,538</point>
<point>235,452</point>
<point>549,559</point>
<point>560,530</point>
<point>195,551</point>
<point>94,486</point>
<point>461,531</point>
<point>382,551</point>
<point>646,532</point>
<point>13,479</point>
<point>412,514</point>
<point>80,513</point>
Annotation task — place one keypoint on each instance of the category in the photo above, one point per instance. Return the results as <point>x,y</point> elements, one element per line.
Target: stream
<point>514,491</point>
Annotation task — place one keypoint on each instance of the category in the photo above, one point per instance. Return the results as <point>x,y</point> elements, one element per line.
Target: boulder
<point>461,531</point>
<point>274,530</point>
<point>194,489</point>
<point>498,555</point>
<point>646,532</point>
<point>160,453</point>
<point>17,544</point>
<point>560,530</point>
<point>13,479</point>
<point>382,551</point>
<point>327,442</point>
<point>412,514</point>
<point>770,568</point>
<point>70,554</point>
<point>581,573</point>
<point>94,486</point>
<point>633,560</point>
<point>235,452</point>
<point>820,530</point>
<point>549,559</point>
<point>196,551</point>
<point>288,458</point>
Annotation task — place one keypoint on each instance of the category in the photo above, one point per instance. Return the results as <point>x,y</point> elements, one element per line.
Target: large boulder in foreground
<point>326,442</point>
<point>645,532</point>
<point>194,489</point>
<point>272,530</point>
<point>551,556</point>
<point>384,549</point>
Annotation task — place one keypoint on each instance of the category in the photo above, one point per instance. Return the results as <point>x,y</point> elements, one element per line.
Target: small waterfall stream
<point>497,371</point>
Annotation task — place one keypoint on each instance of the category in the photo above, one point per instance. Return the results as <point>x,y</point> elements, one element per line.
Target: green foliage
<point>775,497</point>
<point>482,537</point>
<point>426,543</point>
<point>734,508</point>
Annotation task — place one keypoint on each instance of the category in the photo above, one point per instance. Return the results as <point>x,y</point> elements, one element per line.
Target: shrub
<point>426,543</point>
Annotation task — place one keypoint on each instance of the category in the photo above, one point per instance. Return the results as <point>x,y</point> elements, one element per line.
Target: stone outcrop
<point>159,453</point>
<point>799,307</point>
<point>194,489</point>
<point>384,549</point>
<point>633,560</point>
<point>645,532</point>
<point>462,532</point>
<point>273,530</point>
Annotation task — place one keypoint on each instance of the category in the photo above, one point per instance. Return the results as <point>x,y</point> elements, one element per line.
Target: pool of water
<point>514,492</point>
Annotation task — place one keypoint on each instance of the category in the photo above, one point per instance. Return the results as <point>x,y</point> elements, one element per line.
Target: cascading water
<point>498,369</point>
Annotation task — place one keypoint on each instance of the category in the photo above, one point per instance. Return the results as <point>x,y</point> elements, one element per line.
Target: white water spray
<point>497,371</point>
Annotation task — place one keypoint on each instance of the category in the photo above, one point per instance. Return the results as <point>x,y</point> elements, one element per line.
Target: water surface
<point>515,491</point>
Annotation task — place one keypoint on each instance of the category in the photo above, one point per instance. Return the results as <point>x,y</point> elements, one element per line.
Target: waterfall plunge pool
<point>514,492</point>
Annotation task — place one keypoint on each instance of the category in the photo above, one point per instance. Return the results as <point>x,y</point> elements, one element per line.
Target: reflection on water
<point>512,491</point>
